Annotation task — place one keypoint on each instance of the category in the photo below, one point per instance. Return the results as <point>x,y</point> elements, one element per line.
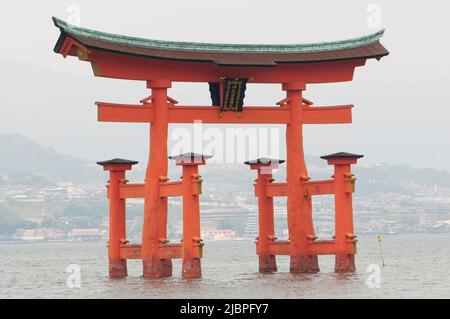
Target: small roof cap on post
<point>264,161</point>
<point>117,161</point>
<point>190,158</point>
<point>342,155</point>
<point>342,158</point>
<point>264,165</point>
<point>117,164</point>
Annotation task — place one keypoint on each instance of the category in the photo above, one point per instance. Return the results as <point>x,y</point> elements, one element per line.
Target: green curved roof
<point>218,47</point>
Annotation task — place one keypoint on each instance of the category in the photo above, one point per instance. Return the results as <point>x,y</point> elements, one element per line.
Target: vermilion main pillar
<point>154,230</point>
<point>300,224</point>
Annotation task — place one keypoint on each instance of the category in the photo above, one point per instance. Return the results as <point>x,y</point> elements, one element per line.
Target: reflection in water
<point>346,277</point>
<point>230,271</point>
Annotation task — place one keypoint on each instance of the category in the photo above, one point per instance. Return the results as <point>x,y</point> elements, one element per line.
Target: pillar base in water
<point>157,268</point>
<point>304,264</point>
<point>192,268</point>
<point>117,268</point>
<point>345,263</point>
<point>267,264</point>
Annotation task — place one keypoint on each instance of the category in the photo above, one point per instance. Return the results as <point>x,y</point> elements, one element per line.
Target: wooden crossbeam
<point>328,114</point>
<point>310,188</point>
<point>169,189</point>
<point>276,189</point>
<point>171,251</point>
<point>318,187</point>
<point>280,247</point>
<point>253,114</point>
<point>317,247</point>
<point>168,251</point>
<point>322,247</point>
<point>110,112</point>
<point>132,190</point>
<point>130,252</point>
<point>137,190</point>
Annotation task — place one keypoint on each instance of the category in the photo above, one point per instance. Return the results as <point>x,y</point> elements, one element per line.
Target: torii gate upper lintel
<point>227,68</point>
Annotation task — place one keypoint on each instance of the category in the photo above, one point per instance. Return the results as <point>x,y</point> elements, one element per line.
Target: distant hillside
<point>24,161</point>
<point>398,178</point>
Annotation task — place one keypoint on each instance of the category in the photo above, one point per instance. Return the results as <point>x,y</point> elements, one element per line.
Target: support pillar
<point>299,208</point>
<point>154,232</point>
<point>191,189</point>
<point>264,166</point>
<point>117,218</point>
<point>343,188</point>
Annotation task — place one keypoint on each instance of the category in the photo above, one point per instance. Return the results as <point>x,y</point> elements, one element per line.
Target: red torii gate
<point>160,63</point>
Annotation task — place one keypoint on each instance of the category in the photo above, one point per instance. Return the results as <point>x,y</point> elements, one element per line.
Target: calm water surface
<point>417,266</point>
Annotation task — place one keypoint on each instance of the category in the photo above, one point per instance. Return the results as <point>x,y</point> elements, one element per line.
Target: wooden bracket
<point>69,43</point>
<point>283,102</point>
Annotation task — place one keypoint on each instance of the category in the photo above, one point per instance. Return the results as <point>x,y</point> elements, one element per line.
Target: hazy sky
<point>401,110</point>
